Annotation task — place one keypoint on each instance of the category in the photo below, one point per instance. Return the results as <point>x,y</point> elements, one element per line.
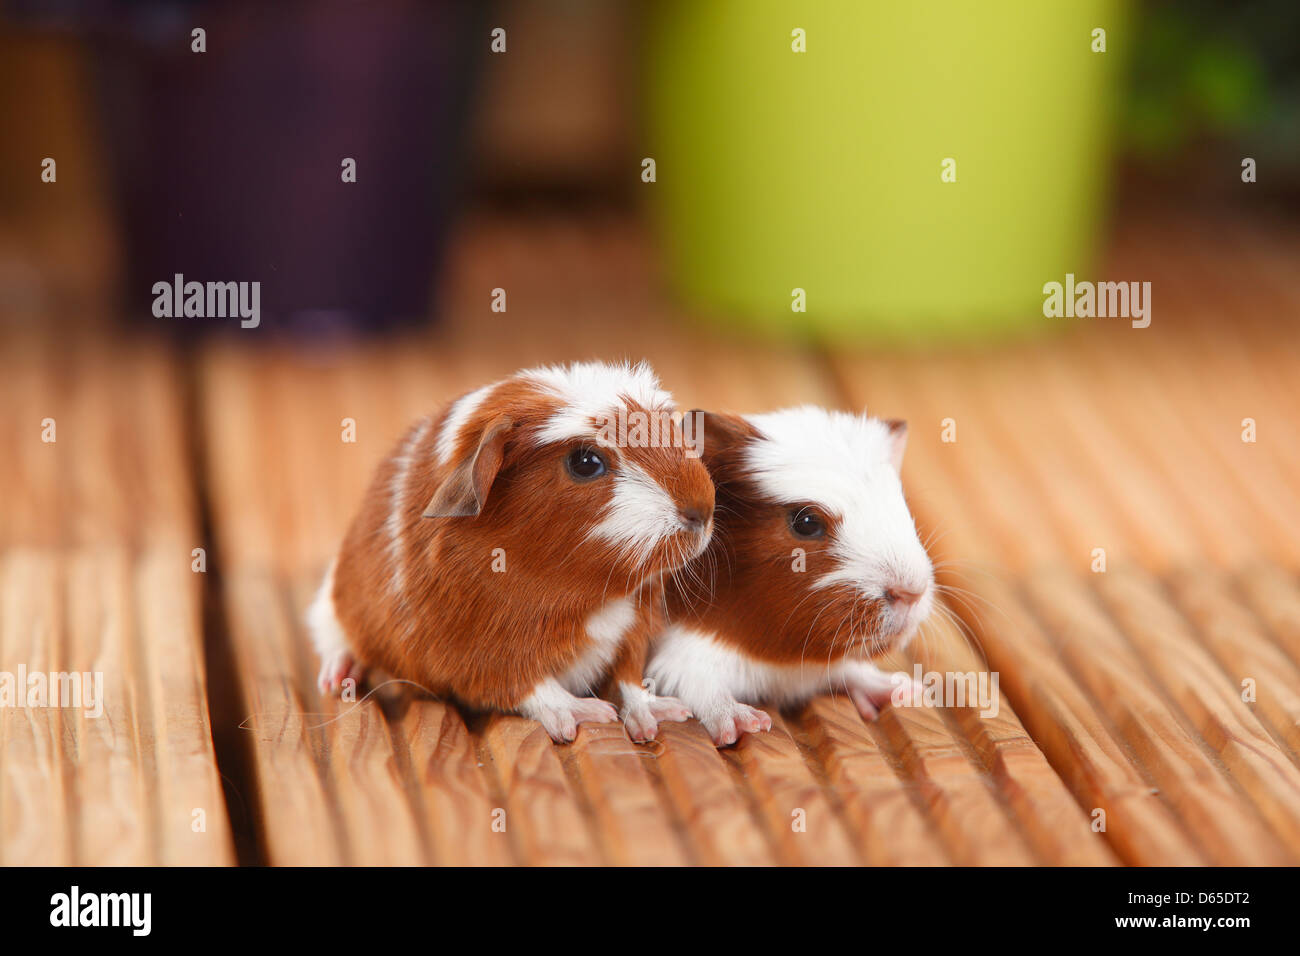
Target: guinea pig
<point>510,550</point>
<point>814,567</point>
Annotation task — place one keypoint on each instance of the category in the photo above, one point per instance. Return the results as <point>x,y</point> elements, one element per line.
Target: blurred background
<point>772,170</point>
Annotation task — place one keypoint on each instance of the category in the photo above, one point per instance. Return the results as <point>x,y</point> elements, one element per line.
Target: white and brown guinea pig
<point>509,554</point>
<point>814,567</point>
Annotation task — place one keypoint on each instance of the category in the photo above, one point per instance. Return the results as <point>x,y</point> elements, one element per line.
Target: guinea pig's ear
<point>463,492</point>
<point>720,432</point>
<point>897,441</point>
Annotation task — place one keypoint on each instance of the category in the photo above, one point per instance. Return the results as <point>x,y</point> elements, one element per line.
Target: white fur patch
<point>457,416</point>
<point>591,390</point>
<point>399,503</point>
<point>708,674</point>
<point>559,712</point>
<point>639,515</point>
<point>635,697</point>
<point>323,623</point>
<point>841,462</point>
<point>605,627</point>
<point>547,695</point>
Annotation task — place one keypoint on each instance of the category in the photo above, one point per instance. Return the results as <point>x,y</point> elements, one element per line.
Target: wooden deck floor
<point>1122,691</point>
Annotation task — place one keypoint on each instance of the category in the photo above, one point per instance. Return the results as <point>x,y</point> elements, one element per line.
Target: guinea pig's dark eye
<point>806,523</point>
<point>584,464</point>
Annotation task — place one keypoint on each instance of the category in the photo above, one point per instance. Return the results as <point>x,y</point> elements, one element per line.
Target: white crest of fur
<point>592,391</point>
<point>399,504</point>
<point>460,412</point>
<point>841,462</point>
<point>589,392</point>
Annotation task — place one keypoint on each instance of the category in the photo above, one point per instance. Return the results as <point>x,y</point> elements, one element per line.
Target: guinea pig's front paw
<point>337,667</point>
<point>561,715</point>
<point>643,712</point>
<point>726,723</point>
<point>869,699</point>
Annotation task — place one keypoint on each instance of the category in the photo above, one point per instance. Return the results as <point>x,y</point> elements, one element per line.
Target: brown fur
<point>748,592</point>
<point>457,627</point>
<point>629,665</point>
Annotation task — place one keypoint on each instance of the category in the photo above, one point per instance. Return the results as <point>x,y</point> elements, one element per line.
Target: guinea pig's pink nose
<point>694,518</point>
<point>902,596</point>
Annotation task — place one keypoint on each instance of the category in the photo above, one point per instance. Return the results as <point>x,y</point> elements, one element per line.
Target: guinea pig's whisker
<point>678,574</point>
<point>803,653</point>
<point>683,589</point>
<point>971,620</point>
<point>963,569</point>
<point>370,693</point>
<point>797,606</point>
<point>855,639</point>
<point>965,630</point>
<point>830,651</point>
<point>955,602</point>
<point>722,535</point>
<point>966,595</point>
<point>690,569</point>
<point>627,581</point>
<point>604,593</point>
<point>863,636</point>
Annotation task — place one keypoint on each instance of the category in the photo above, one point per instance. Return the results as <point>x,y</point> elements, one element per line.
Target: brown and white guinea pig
<point>510,550</point>
<point>813,568</point>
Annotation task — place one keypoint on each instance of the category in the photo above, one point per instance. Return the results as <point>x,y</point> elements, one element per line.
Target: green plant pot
<point>822,170</point>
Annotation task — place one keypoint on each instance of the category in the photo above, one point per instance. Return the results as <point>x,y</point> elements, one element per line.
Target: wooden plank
<point>1225,824</point>
<point>1274,596</point>
<point>110,785</point>
<point>1046,814</point>
<point>721,828</point>
<point>974,828</point>
<point>365,778</point>
<point>150,504</point>
<point>330,783</point>
<point>188,799</point>
<point>880,806</point>
<point>544,818</point>
<point>35,811</point>
<point>631,822</point>
<point>452,787</point>
<point>110,505</point>
<point>365,784</point>
<point>1244,651</point>
<point>1077,740</point>
<point>800,817</point>
<point>1210,701</point>
<point>294,812</point>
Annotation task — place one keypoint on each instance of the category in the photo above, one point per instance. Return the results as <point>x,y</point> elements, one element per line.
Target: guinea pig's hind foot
<point>726,723</point>
<point>871,689</point>
<point>560,712</point>
<point>336,667</point>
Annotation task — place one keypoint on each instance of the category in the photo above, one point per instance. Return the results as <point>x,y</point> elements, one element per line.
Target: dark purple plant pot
<point>229,162</point>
